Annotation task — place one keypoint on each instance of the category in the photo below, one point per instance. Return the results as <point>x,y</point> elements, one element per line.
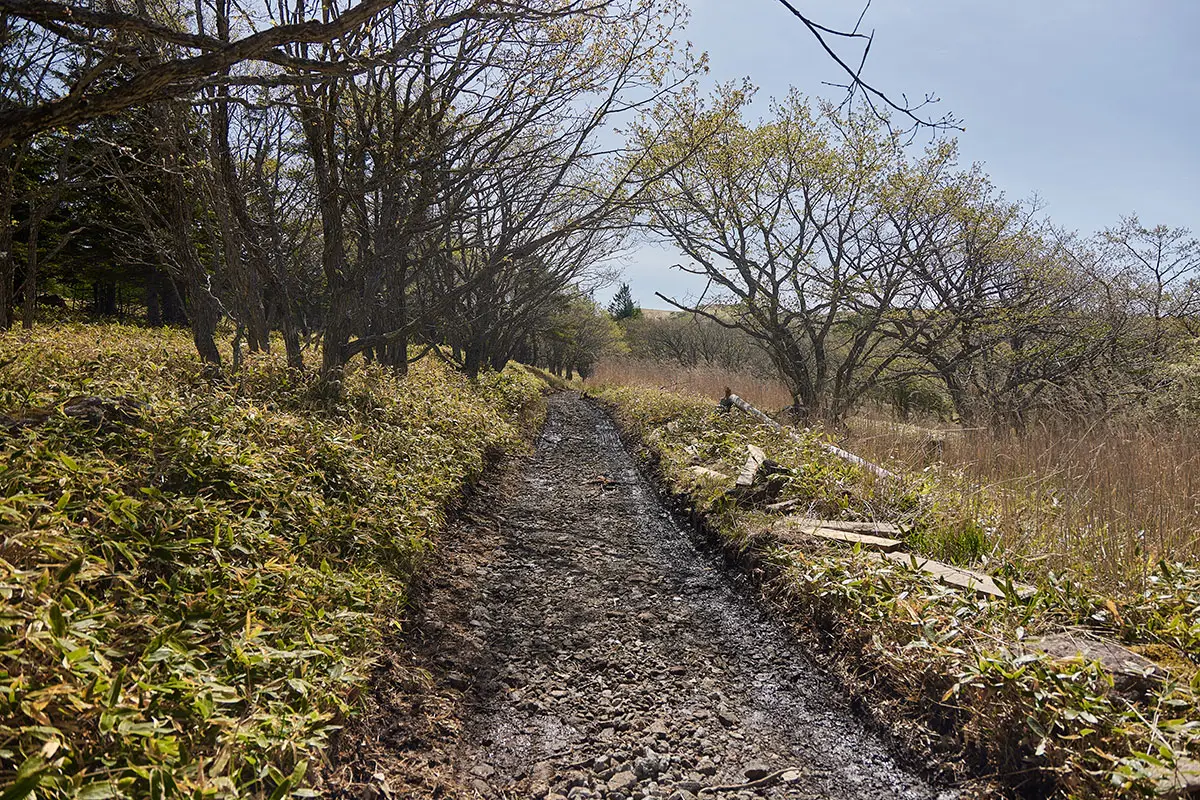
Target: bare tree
<point>879,104</point>
<point>804,227</point>
<point>100,41</point>
<point>1160,268</point>
<point>690,340</point>
<point>474,176</point>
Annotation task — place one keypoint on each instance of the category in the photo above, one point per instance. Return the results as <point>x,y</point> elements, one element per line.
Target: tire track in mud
<point>601,654</point>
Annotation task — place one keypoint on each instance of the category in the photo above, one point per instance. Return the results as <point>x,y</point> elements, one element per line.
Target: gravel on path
<point>601,653</point>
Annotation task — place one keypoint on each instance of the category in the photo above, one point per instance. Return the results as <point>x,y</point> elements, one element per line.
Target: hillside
<point>196,575</point>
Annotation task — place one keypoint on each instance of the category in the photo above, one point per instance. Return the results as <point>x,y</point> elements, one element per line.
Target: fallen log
<point>95,410</point>
<point>732,399</point>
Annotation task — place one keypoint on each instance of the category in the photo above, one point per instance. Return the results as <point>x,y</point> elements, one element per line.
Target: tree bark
<point>7,259</point>
<point>29,308</point>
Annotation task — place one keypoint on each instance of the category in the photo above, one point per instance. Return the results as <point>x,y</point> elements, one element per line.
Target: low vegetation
<point>967,666</point>
<point>195,573</point>
<point>1101,502</point>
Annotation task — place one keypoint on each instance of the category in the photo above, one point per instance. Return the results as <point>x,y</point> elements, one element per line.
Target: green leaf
<point>28,776</point>
<point>71,569</point>
<point>101,790</point>
<point>285,786</point>
<point>114,691</point>
<point>58,623</point>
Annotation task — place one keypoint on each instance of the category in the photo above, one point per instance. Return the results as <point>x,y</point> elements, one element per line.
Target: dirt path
<point>600,654</point>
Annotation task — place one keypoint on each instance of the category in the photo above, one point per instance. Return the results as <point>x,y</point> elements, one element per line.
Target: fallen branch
<point>732,399</point>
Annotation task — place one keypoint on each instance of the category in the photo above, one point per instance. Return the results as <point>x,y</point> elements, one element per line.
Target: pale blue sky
<point>1093,105</point>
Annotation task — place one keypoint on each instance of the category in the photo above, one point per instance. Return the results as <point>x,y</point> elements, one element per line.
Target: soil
<point>574,641</point>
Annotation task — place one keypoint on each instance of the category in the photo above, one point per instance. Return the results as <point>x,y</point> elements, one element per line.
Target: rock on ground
<point>601,654</point>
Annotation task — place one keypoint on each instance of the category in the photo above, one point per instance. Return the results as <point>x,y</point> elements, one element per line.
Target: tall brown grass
<point>764,392</point>
<point>1103,501</point>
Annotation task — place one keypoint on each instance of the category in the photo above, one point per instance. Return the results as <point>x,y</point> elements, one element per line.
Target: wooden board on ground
<point>711,474</point>
<point>845,455</point>
<point>878,528</point>
<point>750,470</point>
<point>956,576</point>
<point>864,540</point>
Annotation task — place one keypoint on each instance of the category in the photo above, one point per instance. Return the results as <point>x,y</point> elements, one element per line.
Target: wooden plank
<point>884,528</point>
<point>826,529</point>
<point>784,507</point>
<point>845,455</point>
<point>750,470</point>
<point>955,576</point>
<point>705,472</point>
<point>865,541</point>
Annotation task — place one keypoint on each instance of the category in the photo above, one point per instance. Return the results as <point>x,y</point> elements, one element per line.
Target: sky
<point>1091,105</point>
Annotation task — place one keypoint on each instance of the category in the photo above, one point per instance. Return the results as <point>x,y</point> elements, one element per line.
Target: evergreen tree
<point>622,305</point>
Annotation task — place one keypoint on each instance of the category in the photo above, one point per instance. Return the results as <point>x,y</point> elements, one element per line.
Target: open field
<point>1105,503</point>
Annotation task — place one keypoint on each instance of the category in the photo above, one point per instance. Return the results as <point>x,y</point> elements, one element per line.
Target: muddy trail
<point>584,646</point>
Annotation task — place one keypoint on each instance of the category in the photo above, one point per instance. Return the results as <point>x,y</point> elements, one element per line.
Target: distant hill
<point>659,313</point>
<point>665,313</point>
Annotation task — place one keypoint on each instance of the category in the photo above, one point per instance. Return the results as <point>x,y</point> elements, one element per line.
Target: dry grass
<point>1103,504</point>
<point>946,667</point>
<point>764,392</point>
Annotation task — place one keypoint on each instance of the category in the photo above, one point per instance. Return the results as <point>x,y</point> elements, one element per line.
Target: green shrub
<point>190,598</point>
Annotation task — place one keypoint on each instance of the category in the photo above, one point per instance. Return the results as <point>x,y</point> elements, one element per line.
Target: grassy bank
<point>1099,501</point>
<point>964,667</point>
<point>194,575</point>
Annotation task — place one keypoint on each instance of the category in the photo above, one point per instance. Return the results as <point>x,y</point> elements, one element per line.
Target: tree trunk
<point>291,341</point>
<point>317,123</point>
<point>154,315</point>
<point>29,310</point>
<point>204,313</point>
<point>960,398</point>
<point>472,360</point>
<point>104,297</point>
<point>7,260</point>
<point>242,257</point>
